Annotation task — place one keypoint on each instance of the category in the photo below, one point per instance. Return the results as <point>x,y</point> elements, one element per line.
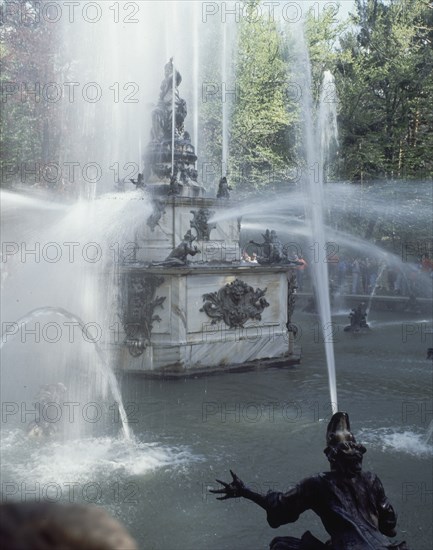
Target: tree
<point>323,33</point>
<point>210,113</point>
<point>28,125</point>
<point>263,116</point>
<point>384,80</point>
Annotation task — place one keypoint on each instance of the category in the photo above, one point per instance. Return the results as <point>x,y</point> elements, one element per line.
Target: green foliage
<point>263,117</point>
<point>382,60</point>
<point>209,150</point>
<point>384,79</point>
<point>28,123</point>
<point>323,33</point>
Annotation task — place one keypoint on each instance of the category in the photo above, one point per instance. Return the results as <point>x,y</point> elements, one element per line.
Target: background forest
<point>381,57</point>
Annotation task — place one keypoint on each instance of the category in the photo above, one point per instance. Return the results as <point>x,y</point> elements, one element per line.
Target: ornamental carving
<point>201,224</point>
<point>140,302</point>
<point>158,210</point>
<point>235,304</point>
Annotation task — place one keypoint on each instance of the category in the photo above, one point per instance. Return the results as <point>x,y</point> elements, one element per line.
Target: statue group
<point>170,154</point>
<point>351,503</point>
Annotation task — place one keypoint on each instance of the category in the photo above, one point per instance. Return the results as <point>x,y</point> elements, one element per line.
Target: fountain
<point>195,308</point>
<point>338,497</point>
<point>12,329</point>
<point>315,149</point>
<point>174,298</point>
<point>57,332</point>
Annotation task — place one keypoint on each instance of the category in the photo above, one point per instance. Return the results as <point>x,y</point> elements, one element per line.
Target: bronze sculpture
<point>358,319</point>
<point>178,256</point>
<point>272,251</point>
<point>170,155</point>
<point>351,503</point>
<point>162,116</point>
<point>223,189</point>
<point>235,303</point>
<point>201,224</point>
<point>139,182</point>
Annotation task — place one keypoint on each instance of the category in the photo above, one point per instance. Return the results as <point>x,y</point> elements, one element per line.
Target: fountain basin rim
<point>228,269</point>
<point>178,371</point>
<point>161,191</point>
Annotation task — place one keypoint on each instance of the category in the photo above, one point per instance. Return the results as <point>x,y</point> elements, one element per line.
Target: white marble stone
<point>155,245</point>
<point>186,339</point>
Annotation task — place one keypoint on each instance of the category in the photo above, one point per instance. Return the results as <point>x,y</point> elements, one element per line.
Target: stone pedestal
<point>156,241</point>
<point>214,312</point>
<point>181,338</point>
<point>188,303</point>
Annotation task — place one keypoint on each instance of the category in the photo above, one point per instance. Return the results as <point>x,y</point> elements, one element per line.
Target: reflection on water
<point>267,425</point>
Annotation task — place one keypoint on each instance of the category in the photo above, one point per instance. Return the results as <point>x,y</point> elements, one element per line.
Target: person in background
<point>365,274</point>
<point>300,271</point>
<point>400,285</point>
<point>392,277</point>
<point>333,264</point>
<point>356,271</point>
<point>426,264</point>
<point>374,270</point>
<point>253,259</point>
<point>341,275</point>
<point>245,258</point>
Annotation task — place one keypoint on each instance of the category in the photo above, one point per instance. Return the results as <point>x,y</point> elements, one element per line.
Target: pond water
<point>267,425</point>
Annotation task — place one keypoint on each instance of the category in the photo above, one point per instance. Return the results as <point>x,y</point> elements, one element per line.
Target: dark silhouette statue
<point>161,162</point>
<point>358,319</point>
<point>139,182</point>
<point>271,250</point>
<point>162,115</point>
<point>223,189</point>
<point>351,503</point>
<point>179,255</point>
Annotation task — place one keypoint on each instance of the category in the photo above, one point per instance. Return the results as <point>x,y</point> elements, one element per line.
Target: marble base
<point>155,244</point>
<point>184,339</point>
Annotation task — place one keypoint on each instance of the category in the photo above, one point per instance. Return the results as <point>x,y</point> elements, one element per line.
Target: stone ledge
<point>178,371</point>
<point>228,268</point>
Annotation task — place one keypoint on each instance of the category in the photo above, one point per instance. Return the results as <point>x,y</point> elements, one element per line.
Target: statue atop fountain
<point>223,189</point>
<point>351,503</point>
<point>162,120</point>
<point>161,163</point>
<point>358,320</point>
